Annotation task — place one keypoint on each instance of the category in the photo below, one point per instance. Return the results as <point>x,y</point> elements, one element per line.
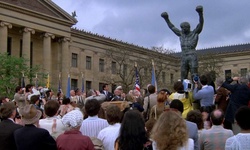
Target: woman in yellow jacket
<point>185,97</point>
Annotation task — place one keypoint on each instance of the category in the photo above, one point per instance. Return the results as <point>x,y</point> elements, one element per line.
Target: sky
<point>139,22</point>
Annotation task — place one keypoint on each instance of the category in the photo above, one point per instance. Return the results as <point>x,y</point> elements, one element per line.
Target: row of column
<point>47,57</point>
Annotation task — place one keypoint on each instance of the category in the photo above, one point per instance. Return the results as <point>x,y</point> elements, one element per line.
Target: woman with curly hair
<point>195,116</point>
<point>160,106</point>
<point>132,134</point>
<point>170,133</point>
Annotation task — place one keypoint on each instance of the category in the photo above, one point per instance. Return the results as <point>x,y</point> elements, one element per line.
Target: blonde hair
<point>170,131</point>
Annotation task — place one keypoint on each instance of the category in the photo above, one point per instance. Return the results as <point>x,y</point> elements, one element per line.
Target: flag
<point>59,84</point>
<point>22,82</point>
<point>68,88</point>
<point>82,84</point>
<point>137,81</point>
<point>153,79</point>
<point>47,85</point>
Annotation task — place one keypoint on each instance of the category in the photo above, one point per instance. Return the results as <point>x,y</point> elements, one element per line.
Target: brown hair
<point>195,116</point>
<point>51,108</point>
<point>178,86</point>
<point>113,114</point>
<point>162,97</point>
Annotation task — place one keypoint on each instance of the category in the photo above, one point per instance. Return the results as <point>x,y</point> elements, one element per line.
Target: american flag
<point>137,82</point>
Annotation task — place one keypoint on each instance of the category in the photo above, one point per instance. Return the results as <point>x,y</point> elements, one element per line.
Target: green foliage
<point>11,70</point>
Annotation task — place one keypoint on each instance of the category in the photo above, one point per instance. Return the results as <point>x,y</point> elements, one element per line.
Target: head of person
<point>132,134</point>
<point>51,108</point>
<point>162,97</point>
<point>185,27</point>
<point>178,86</point>
<point>66,101</point>
<point>177,104</point>
<point>72,93</point>
<point>203,80</point>
<point>217,117</point>
<point>73,119</point>
<point>77,92</point>
<point>105,87</point>
<point>30,115</point>
<point>243,80</point>
<point>18,89</point>
<point>91,92</point>
<point>34,99</point>
<point>151,89</point>
<point>92,107</point>
<point>28,88</point>
<point>195,116</point>
<point>170,131</point>
<point>8,110</point>
<point>113,114</point>
<point>219,81</point>
<point>242,117</point>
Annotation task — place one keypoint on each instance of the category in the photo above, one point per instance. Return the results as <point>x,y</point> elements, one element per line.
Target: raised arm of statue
<point>199,27</point>
<point>170,25</point>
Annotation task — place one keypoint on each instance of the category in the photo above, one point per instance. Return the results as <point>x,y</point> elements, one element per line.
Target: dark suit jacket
<point>32,138</point>
<point>221,98</point>
<point>109,95</point>
<point>7,128</point>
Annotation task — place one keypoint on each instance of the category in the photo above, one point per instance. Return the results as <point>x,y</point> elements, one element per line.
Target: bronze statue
<point>188,41</point>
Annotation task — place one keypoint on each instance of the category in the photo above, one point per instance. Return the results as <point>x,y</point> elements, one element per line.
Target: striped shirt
<point>92,126</point>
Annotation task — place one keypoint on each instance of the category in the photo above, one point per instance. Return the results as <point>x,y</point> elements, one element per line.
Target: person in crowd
<point>8,126</point>
<point>105,91</point>
<point>132,135</point>
<point>60,97</point>
<point>118,94</point>
<point>109,134</point>
<point>79,97</point>
<point>19,91</point>
<point>206,96</point>
<point>211,77</point>
<point>94,94</point>
<point>73,97</point>
<point>134,101</point>
<point>28,90</point>
<point>4,99</point>
<point>215,138</point>
<point>184,96</point>
<point>240,95</point>
<point>192,127</point>
<point>31,137</point>
<point>51,111</point>
<point>160,106</point>
<point>94,123</point>
<point>72,138</point>
<point>175,137</point>
<point>195,116</point>
<point>241,140</point>
<point>149,101</point>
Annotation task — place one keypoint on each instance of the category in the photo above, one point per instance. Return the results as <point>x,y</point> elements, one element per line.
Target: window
<point>113,67</point>
<point>88,85</point>
<point>163,77</point>
<point>74,83</point>
<point>88,62</point>
<point>101,65</point>
<point>74,60</point>
<point>228,74</point>
<point>243,72</point>
<point>9,41</point>
<point>100,86</point>
<point>172,78</point>
<point>125,68</point>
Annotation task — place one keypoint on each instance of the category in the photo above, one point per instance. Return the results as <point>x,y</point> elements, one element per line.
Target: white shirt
<point>92,126</point>
<point>238,142</point>
<point>108,136</point>
<point>189,145</point>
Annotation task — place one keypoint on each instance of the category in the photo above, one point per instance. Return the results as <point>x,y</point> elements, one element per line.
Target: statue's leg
<point>184,68</point>
<point>194,65</point>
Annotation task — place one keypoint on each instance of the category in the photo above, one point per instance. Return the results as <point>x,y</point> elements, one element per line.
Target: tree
<point>11,70</point>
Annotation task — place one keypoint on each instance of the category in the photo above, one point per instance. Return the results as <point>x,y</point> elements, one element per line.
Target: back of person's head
<point>178,86</point>
<point>161,97</point>
<point>203,80</point>
<point>242,117</point>
<point>91,92</point>
<point>195,116</point>
<point>132,134</point>
<point>92,107</point>
<point>219,81</point>
<point>34,99</point>
<point>113,114</point>
<point>66,101</point>
<point>177,104</point>
<point>51,108</point>
<point>18,88</point>
<point>170,131</point>
<point>243,80</point>
<point>73,119</point>
<point>27,87</point>
<point>151,89</point>
<point>7,109</point>
<point>217,117</point>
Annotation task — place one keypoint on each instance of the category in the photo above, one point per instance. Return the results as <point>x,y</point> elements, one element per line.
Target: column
<point>65,61</point>
<point>26,44</point>
<point>4,36</point>
<point>47,59</point>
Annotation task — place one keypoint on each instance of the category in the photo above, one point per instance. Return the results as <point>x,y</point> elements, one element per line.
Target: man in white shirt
<point>92,125</point>
<point>109,134</point>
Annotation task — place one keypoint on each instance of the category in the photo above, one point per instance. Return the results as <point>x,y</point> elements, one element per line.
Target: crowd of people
<point>159,120</point>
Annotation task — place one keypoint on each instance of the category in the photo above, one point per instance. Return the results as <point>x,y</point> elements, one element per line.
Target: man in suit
<point>192,127</point>
<point>105,91</point>
<point>31,137</point>
<point>8,126</point>
<point>215,138</point>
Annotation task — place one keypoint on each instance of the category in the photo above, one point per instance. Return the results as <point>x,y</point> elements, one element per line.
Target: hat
<point>119,88</point>
<point>73,118</point>
<point>30,114</point>
<point>20,100</point>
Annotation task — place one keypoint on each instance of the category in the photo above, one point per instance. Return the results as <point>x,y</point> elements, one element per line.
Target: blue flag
<point>68,88</point>
<point>153,79</point>
<point>82,85</point>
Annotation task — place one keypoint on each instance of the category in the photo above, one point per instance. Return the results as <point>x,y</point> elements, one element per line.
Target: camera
<point>188,86</point>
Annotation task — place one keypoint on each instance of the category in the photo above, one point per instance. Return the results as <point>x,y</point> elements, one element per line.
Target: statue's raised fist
<point>199,9</point>
<point>164,15</point>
